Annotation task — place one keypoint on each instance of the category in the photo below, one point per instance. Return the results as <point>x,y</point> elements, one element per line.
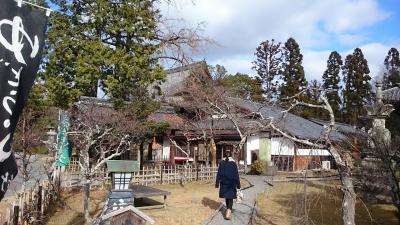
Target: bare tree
<point>227,106</point>
<point>177,41</point>
<point>100,133</point>
<point>27,139</point>
<point>208,100</point>
<point>388,155</point>
<point>342,156</point>
<point>178,45</point>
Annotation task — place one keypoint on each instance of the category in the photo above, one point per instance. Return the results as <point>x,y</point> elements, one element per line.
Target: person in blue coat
<point>227,181</point>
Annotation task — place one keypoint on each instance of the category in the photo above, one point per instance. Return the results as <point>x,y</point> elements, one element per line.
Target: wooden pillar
<point>161,173</point>
<point>213,152</point>
<point>15,214</point>
<point>172,153</point>
<point>207,156</point>
<point>244,157</point>
<point>196,161</point>
<point>189,150</point>
<point>39,203</point>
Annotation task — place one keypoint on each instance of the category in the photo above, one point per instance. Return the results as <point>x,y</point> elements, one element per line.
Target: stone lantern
<point>51,139</point>
<point>378,112</point>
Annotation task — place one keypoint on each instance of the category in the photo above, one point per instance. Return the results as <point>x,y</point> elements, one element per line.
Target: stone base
<point>270,170</point>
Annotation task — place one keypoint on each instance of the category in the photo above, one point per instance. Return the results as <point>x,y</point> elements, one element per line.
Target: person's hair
<point>227,155</point>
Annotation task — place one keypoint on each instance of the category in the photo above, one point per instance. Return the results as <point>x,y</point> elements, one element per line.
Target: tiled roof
<point>341,127</point>
<point>166,113</point>
<point>391,95</point>
<point>175,79</point>
<point>173,120</point>
<point>122,166</point>
<point>292,124</point>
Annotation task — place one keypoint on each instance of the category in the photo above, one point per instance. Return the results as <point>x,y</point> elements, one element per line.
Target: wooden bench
<point>140,191</point>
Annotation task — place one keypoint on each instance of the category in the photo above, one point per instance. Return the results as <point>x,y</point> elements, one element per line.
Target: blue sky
<point>319,26</point>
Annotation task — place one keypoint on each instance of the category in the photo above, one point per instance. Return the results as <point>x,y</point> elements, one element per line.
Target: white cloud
<point>314,63</point>
<point>351,39</point>
<point>375,54</point>
<point>318,26</point>
<point>237,64</point>
<point>240,24</point>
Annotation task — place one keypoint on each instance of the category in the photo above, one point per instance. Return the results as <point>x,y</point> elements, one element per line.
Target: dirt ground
<point>69,210</point>
<point>284,205</point>
<point>191,204</point>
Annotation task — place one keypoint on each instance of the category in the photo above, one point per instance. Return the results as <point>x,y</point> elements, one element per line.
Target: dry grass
<point>6,204</point>
<point>191,204</point>
<point>284,205</point>
<point>69,210</point>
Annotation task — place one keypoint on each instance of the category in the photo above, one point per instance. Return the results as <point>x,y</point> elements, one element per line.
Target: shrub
<point>40,150</point>
<point>257,167</point>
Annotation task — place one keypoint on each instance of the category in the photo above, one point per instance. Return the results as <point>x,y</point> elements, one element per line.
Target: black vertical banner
<point>22,31</point>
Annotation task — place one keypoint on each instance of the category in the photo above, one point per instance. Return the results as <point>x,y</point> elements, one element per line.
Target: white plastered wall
<point>166,149</point>
<point>252,143</point>
<point>282,146</point>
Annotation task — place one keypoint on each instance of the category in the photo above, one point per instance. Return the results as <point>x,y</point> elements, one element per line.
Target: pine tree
<point>268,65</point>
<point>357,88</point>
<point>218,72</point>
<point>331,80</point>
<point>392,69</point>
<point>293,71</point>
<point>313,97</point>
<point>243,86</point>
<point>103,43</point>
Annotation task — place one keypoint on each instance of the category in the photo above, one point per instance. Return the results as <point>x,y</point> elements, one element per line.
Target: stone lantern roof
<point>379,109</point>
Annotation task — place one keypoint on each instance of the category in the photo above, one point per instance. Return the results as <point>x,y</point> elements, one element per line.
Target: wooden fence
<point>31,206</point>
<point>166,174</point>
<point>154,174</point>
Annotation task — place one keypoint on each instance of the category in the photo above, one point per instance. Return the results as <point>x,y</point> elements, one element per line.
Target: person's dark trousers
<point>229,203</point>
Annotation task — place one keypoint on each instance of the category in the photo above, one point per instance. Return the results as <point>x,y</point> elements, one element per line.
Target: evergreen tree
<point>268,65</point>
<point>313,94</point>
<point>293,71</point>
<point>218,72</point>
<point>111,44</point>
<point>357,88</point>
<point>392,69</point>
<point>331,81</point>
<point>243,86</point>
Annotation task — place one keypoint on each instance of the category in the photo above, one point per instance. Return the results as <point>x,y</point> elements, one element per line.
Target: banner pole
<point>48,11</point>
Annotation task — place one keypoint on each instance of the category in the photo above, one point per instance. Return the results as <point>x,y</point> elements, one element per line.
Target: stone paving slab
<point>242,212</point>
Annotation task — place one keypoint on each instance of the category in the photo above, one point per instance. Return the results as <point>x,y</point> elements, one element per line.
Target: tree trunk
<point>86,199</point>
<point>349,197</point>
<point>305,198</point>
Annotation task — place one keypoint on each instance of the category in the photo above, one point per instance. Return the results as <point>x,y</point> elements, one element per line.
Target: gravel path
<point>242,212</point>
